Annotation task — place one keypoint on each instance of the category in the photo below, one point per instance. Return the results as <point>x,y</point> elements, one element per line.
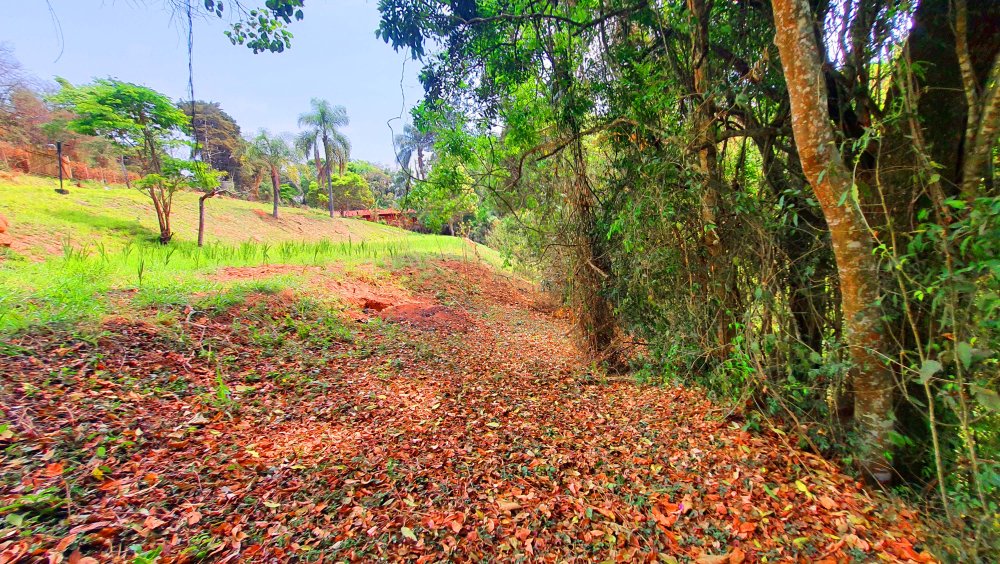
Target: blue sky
<point>335,55</point>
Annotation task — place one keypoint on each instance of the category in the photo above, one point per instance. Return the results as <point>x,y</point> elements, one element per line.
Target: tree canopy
<point>217,135</point>
<point>132,116</point>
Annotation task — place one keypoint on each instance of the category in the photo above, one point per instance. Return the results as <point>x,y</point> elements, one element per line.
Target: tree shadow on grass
<point>127,228</point>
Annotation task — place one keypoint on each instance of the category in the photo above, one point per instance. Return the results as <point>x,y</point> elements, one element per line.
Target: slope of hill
<point>93,252</point>
<point>42,220</point>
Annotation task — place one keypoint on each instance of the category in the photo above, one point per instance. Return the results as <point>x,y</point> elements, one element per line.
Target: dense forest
<point>792,203</point>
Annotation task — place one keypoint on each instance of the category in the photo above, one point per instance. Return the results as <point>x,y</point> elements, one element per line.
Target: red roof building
<point>407,219</point>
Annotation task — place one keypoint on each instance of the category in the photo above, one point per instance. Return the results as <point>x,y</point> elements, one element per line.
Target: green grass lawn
<point>81,256</point>
<point>42,220</point>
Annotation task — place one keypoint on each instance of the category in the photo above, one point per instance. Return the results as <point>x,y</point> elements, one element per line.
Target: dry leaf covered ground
<point>444,415</point>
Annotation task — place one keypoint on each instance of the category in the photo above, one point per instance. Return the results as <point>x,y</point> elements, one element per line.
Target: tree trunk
<point>128,183</point>
<point>595,316</point>
<point>328,151</point>
<point>318,163</point>
<point>983,118</point>
<point>168,202</point>
<point>708,160</point>
<point>852,242</point>
<point>705,140</point>
<point>201,216</point>
<point>276,193</point>
<point>160,204</point>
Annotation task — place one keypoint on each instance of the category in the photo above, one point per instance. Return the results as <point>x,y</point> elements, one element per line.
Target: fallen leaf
<point>827,502</point>
<point>152,522</point>
<point>64,543</point>
<point>508,505</point>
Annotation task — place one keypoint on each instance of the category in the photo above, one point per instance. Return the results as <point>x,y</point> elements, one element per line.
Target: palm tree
<point>273,151</point>
<point>306,143</point>
<point>413,142</point>
<point>322,123</point>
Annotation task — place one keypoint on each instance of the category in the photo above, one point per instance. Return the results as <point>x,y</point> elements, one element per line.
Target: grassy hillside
<point>80,256</point>
<point>42,220</point>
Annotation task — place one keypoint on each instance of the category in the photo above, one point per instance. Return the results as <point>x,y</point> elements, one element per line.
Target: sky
<point>335,55</point>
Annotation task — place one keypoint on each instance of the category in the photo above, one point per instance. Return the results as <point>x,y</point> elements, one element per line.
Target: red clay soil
<point>231,273</point>
<point>429,317</point>
<point>361,294</point>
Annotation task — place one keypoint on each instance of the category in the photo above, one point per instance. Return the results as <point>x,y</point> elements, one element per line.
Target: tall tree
<point>857,267</point>
<point>275,153</point>
<point>378,180</point>
<point>322,122</point>
<point>217,135</point>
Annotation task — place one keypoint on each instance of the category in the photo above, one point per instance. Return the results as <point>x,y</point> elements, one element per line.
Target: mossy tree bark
<point>852,242</point>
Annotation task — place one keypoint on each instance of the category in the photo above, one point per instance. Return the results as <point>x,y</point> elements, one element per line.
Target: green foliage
<point>270,150</point>
<point>350,192</point>
<point>322,123</point>
<point>177,174</point>
<point>265,28</point>
<point>134,117</point>
<point>379,182</point>
<point>445,197</point>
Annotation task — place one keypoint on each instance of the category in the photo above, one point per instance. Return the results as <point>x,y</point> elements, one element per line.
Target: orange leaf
<point>904,549</point>
<point>152,522</point>
<point>193,517</point>
<point>661,518</point>
<point>53,469</point>
<point>827,502</point>
<point>669,507</point>
<point>64,544</point>
<point>606,512</point>
<point>508,505</point>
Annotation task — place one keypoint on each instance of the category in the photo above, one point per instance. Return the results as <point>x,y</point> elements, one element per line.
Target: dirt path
<point>472,432</point>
